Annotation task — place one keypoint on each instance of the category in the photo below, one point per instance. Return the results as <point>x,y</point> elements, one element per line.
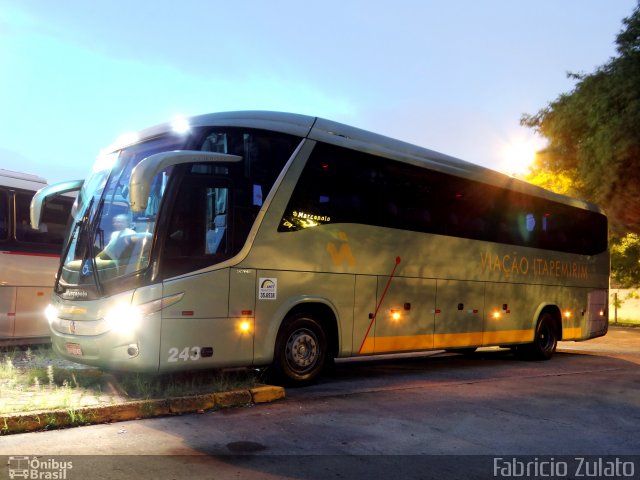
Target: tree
<point>593,151</point>
<point>625,261</point>
<point>593,134</point>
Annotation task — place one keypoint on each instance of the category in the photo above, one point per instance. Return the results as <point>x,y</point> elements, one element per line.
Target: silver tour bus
<point>261,238</point>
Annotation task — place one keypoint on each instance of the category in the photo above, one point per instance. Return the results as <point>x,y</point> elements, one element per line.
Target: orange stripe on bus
<point>444,340</point>
<point>571,333</point>
<point>507,336</point>
<point>452,340</point>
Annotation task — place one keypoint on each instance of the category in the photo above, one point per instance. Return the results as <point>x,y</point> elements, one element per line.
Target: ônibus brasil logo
<point>38,468</point>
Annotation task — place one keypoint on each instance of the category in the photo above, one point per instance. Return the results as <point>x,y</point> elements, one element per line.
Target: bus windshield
<point>107,240</point>
<point>207,219</point>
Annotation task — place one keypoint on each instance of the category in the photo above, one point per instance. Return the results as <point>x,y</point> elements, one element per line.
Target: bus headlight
<point>123,318</point>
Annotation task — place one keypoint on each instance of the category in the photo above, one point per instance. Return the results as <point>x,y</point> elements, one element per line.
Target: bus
<point>29,258</point>
<point>284,240</point>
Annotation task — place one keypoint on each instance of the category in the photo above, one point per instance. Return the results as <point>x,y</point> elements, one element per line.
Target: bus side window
<point>4,215</point>
<point>51,230</point>
<point>24,232</point>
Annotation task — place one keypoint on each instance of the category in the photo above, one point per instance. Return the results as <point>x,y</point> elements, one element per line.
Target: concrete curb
<point>134,410</point>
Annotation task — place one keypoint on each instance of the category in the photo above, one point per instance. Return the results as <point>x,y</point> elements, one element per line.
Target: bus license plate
<point>74,349</point>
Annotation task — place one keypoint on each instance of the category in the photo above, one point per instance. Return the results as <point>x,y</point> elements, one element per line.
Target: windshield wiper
<point>78,225</point>
<point>86,235</point>
<point>65,252</point>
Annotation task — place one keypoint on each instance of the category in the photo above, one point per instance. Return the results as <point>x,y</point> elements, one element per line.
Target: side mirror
<point>35,209</point>
<point>143,173</point>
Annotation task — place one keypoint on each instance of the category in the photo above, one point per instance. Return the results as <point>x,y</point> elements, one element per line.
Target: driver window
<point>198,234</point>
<point>216,205</point>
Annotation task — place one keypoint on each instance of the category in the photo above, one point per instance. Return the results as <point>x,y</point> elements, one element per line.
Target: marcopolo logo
<point>73,294</point>
<point>38,468</point>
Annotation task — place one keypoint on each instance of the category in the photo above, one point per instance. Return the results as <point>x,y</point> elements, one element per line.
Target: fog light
<point>133,350</point>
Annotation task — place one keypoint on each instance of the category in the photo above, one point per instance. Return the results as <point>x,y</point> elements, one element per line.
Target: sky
<point>454,76</point>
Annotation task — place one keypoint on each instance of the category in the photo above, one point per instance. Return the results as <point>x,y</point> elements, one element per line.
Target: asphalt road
<point>433,415</point>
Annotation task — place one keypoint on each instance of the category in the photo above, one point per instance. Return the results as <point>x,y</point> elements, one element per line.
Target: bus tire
<point>545,341</point>
<point>301,350</point>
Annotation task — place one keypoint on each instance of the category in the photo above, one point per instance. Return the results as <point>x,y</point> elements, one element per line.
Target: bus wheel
<point>545,342</point>
<point>301,349</point>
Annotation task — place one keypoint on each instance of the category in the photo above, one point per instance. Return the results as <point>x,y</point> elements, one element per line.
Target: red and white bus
<point>29,258</point>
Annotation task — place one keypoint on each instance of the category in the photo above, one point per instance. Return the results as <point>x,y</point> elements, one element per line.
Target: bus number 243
<point>187,353</point>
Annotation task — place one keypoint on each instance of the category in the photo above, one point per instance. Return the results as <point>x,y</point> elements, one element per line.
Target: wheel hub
<point>302,350</point>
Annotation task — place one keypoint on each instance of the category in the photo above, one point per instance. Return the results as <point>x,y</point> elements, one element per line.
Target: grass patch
<point>35,380</point>
<point>148,386</point>
<point>624,322</point>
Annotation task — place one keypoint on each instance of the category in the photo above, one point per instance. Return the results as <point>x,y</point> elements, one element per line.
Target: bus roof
<point>27,181</point>
<point>320,129</point>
